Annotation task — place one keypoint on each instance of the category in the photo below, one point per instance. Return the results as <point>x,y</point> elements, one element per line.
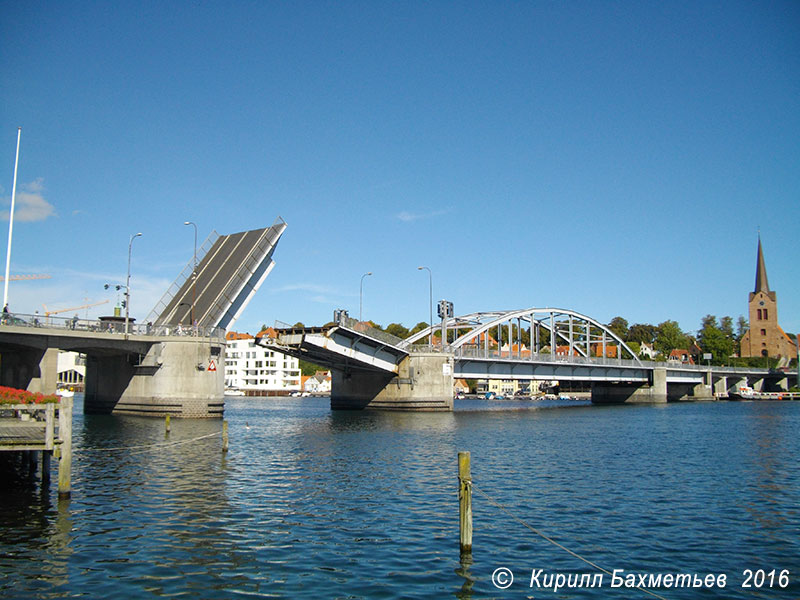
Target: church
<point>765,337</point>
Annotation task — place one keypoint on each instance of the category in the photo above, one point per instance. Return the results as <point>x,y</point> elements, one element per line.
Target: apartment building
<point>257,371</point>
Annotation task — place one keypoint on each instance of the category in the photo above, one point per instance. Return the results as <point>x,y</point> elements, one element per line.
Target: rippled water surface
<point>309,503</point>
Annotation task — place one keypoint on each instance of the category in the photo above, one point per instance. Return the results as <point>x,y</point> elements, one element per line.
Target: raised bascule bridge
<point>174,363</point>
<point>373,369</point>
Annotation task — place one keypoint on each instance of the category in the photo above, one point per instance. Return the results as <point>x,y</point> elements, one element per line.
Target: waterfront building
<point>318,383</point>
<point>257,371</point>
<point>765,337</point>
<point>71,368</point>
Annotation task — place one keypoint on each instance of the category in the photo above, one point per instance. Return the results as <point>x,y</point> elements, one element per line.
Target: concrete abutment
<point>182,378</point>
<point>424,383</point>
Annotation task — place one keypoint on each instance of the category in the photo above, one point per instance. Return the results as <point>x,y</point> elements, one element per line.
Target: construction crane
<point>25,277</point>
<point>47,313</point>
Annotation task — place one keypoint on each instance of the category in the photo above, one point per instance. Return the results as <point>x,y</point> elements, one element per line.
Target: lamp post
<point>430,303</point>
<point>361,294</point>
<point>11,221</point>
<point>194,269</point>
<point>128,284</point>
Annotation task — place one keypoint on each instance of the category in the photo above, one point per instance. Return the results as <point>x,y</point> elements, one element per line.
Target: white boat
<point>233,392</point>
<point>65,393</point>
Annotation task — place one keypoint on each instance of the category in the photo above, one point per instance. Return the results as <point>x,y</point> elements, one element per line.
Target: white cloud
<point>30,204</point>
<point>408,217</point>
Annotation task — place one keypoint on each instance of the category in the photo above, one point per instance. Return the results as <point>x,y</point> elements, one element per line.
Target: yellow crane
<point>25,277</point>
<point>47,313</point>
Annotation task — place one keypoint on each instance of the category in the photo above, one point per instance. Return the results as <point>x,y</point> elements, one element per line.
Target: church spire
<point>762,285</point>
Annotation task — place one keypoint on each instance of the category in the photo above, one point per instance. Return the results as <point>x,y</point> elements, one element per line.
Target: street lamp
<point>194,269</point>
<point>361,294</point>
<point>128,284</point>
<point>430,303</point>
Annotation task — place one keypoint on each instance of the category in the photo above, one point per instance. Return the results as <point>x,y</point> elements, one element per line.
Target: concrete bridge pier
<point>721,387</point>
<point>652,392</point>
<point>183,378</point>
<point>32,369</point>
<point>424,383</point>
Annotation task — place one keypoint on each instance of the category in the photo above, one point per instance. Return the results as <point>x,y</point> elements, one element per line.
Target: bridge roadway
<point>150,371</point>
<point>357,353</point>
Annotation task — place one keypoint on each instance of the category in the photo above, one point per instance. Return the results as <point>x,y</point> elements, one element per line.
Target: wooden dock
<point>45,428</point>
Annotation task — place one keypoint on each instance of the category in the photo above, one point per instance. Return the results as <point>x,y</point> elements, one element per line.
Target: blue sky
<point>614,158</point>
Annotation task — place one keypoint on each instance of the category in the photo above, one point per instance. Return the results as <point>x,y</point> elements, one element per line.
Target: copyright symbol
<point>502,578</point>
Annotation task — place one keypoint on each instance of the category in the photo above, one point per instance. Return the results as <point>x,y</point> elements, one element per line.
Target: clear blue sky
<point>614,158</point>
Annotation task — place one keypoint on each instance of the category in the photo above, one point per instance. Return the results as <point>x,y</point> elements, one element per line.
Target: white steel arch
<point>579,333</point>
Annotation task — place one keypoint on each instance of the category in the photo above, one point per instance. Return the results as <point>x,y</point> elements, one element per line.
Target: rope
<point>147,447</point>
<point>555,543</point>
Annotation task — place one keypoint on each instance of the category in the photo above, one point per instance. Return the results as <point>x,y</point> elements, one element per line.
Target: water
<point>314,504</point>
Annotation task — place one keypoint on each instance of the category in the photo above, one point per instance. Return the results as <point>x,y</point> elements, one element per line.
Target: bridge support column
<point>32,369</point>
<point>721,387</point>
<point>424,383</point>
<point>184,378</point>
<point>632,393</point>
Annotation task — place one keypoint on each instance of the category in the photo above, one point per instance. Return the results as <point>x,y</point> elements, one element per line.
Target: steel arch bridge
<point>528,332</point>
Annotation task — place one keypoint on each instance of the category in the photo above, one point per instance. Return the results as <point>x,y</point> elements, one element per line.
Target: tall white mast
<point>11,220</point>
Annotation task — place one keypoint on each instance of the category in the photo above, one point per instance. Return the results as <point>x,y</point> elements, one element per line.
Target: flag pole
<point>11,221</point>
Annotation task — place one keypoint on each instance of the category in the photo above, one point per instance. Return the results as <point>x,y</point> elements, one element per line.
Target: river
<point>309,503</point>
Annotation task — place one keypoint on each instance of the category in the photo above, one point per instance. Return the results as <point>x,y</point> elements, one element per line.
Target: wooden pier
<point>45,428</point>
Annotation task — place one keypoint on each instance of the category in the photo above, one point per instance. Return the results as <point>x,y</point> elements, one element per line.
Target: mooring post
<point>224,436</point>
<point>65,437</point>
<point>465,503</point>
<point>166,424</point>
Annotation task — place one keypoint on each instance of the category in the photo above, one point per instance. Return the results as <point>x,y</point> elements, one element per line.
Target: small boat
<point>233,392</point>
<point>65,393</point>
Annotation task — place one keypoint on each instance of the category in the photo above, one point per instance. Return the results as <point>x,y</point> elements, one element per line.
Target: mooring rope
<point>552,541</point>
<point>147,447</point>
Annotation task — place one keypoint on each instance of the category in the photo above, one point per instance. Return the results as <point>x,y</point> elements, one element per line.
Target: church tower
<point>765,337</point>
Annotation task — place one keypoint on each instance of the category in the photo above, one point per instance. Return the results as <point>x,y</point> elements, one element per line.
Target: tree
<point>418,327</point>
<point>714,339</point>
<point>741,328</point>
<point>619,326</point>
<point>642,333</point>
<point>670,337</point>
<point>397,330</point>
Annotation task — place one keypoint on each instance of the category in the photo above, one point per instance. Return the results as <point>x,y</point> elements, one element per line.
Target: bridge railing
<point>115,326</point>
<point>467,352</point>
<point>526,356</point>
<point>368,330</point>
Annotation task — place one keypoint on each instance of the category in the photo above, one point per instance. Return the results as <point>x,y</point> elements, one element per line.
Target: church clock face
<point>761,303</point>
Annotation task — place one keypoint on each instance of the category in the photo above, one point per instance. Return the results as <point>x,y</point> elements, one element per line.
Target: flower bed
<point>10,395</point>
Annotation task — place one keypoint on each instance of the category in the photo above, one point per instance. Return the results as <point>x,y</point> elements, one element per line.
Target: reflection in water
<point>310,503</point>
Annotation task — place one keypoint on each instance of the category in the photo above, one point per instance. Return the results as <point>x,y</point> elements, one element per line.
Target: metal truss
<point>523,331</point>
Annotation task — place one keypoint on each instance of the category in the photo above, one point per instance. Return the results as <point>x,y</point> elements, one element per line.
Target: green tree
<point>642,333</point>
<point>741,328</point>
<point>619,326</point>
<point>309,368</point>
<point>397,330</point>
<point>716,339</point>
<point>670,337</point>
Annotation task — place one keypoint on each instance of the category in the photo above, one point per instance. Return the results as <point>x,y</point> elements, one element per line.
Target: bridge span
<point>373,369</point>
<point>151,371</point>
<point>175,363</point>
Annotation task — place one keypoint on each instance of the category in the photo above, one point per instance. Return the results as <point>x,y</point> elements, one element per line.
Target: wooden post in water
<point>49,433</point>
<point>224,436</point>
<point>166,423</point>
<point>65,437</point>
<point>465,503</point>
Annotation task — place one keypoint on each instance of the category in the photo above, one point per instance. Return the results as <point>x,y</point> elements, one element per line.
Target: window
<point>759,315</point>
<point>763,332</point>
<point>765,314</point>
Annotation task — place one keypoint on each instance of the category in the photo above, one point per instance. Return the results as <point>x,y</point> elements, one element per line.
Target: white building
<point>71,368</point>
<point>319,383</point>
<point>256,370</point>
